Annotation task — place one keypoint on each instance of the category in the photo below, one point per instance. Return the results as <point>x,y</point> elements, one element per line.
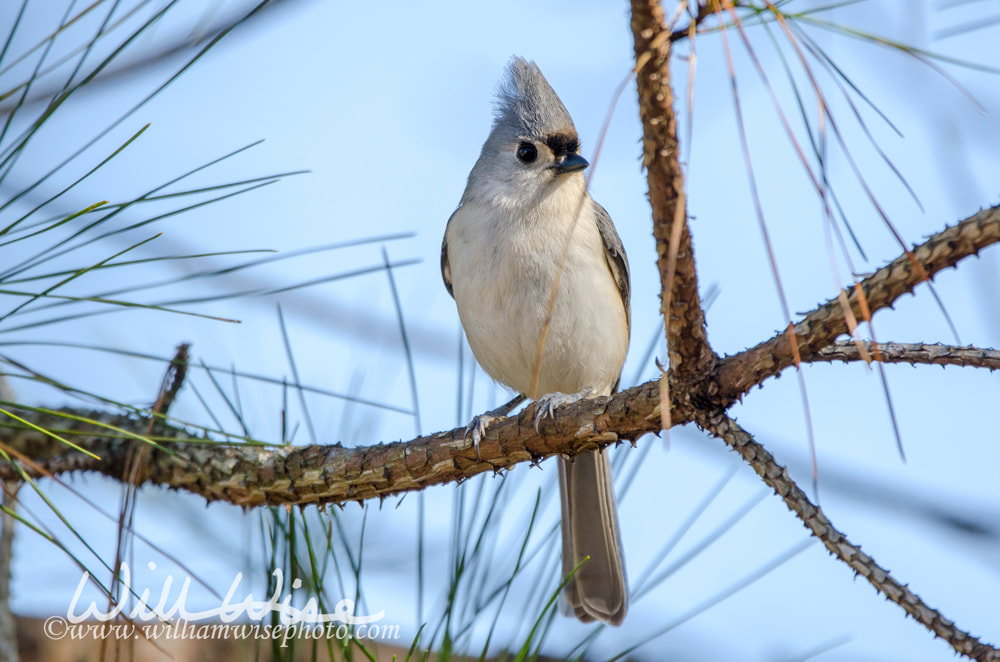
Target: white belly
<point>502,278</point>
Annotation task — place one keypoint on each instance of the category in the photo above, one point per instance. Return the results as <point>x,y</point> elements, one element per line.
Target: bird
<point>526,227</point>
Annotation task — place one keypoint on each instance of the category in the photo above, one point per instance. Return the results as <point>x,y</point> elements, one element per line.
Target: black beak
<point>570,163</point>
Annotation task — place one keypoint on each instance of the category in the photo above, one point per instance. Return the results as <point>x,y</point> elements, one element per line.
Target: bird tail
<point>599,589</point>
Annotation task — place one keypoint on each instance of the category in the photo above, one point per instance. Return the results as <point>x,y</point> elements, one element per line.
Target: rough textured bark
<point>913,353</point>
<point>687,340</point>
<point>250,475</point>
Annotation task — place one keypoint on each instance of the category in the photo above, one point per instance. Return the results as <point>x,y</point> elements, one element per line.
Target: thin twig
<point>776,476</point>
<point>914,353</point>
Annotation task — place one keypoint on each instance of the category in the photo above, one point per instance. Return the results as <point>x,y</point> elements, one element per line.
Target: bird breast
<point>504,265</point>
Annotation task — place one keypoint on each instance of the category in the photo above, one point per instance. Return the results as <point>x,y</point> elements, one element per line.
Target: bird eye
<point>526,153</point>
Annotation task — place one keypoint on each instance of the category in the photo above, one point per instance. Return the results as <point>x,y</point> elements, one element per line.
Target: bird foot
<point>547,404</point>
<point>477,428</point>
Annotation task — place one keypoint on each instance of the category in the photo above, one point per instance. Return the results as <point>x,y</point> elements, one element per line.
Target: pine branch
<point>251,475</point>
<point>777,478</point>
<point>737,374</point>
<point>912,353</point>
<point>690,354</point>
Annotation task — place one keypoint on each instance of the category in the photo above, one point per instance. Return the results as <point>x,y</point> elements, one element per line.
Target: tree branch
<point>248,476</point>
<point>912,353</point>
<point>737,374</point>
<point>777,478</point>
<point>691,357</point>
<point>252,475</point>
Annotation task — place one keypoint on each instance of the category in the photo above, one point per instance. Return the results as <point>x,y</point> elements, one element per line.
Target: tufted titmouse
<point>525,215</point>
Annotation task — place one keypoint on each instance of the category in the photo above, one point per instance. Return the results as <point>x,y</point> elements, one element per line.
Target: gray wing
<point>445,267</point>
<point>614,253</point>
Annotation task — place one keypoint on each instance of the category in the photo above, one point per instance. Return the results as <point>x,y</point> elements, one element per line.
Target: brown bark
<point>913,353</point>
<point>687,341</point>
<point>252,475</point>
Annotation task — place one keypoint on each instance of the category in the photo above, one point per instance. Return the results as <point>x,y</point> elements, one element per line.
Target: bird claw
<point>545,406</point>
<point>476,429</point>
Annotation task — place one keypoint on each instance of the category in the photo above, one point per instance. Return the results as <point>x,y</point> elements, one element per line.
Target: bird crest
<point>528,106</point>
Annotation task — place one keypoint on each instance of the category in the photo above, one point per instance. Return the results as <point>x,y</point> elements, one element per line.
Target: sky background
<point>387,108</point>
